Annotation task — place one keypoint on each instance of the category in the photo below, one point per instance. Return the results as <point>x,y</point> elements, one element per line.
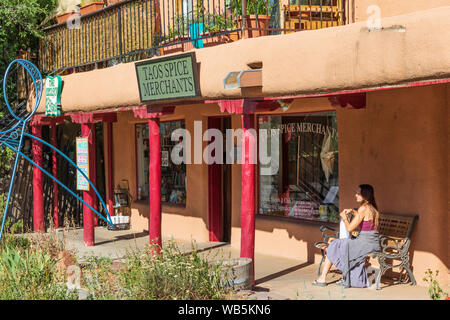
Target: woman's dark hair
<point>369,196</point>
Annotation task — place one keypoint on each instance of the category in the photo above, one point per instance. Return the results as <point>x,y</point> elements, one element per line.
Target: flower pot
<point>110,2</point>
<point>258,27</point>
<point>91,7</point>
<point>171,46</point>
<point>213,39</point>
<point>63,17</point>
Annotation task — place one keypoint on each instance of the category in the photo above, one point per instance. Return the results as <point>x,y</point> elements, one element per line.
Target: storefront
<point>326,130</point>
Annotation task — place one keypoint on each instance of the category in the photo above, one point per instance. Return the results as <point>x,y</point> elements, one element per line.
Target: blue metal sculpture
<point>12,133</point>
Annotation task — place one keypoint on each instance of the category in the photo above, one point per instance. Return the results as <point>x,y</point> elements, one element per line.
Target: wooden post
<point>87,130</point>
<point>155,183</point>
<point>215,192</point>
<point>248,191</point>
<point>38,189</point>
<point>55,174</point>
<point>93,170</point>
<point>110,169</point>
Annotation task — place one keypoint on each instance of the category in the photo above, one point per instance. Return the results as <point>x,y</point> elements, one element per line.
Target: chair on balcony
<point>196,29</point>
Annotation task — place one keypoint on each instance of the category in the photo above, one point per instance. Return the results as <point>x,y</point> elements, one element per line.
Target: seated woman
<point>349,255</point>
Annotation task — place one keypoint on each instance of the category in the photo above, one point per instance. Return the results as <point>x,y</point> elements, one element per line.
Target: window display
<point>173,176</point>
<point>305,186</point>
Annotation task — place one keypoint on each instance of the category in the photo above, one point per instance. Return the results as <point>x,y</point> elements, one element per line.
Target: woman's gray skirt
<point>348,255</point>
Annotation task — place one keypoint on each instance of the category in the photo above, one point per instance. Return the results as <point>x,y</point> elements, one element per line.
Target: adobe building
<point>353,104</point>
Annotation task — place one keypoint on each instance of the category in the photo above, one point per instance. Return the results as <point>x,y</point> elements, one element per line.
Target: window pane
<point>173,176</point>
<point>305,186</point>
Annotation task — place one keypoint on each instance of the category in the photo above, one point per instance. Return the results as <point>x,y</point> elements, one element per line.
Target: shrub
<point>143,275</point>
<point>435,291</point>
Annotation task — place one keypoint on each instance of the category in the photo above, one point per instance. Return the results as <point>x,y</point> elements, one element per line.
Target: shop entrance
<point>219,189</point>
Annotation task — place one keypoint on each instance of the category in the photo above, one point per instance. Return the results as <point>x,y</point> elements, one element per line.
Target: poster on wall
<point>82,157</point>
<point>164,158</point>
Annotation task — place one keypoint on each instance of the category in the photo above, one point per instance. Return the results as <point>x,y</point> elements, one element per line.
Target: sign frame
<point>57,103</point>
<point>85,185</point>
<point>195,75</point>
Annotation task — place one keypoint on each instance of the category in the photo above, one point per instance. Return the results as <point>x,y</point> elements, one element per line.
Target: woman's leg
<point>326,267</point>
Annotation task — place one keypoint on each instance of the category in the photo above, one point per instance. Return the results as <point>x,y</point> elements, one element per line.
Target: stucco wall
<point>388,8</point>
<point>399,144</point>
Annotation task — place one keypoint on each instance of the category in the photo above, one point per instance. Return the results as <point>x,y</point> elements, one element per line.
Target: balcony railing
<point>137,29</point>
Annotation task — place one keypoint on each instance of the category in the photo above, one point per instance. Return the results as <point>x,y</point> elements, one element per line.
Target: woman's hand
<point>344,213</point>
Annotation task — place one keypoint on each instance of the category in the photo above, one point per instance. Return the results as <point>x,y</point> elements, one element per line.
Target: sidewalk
<point>275,277</point>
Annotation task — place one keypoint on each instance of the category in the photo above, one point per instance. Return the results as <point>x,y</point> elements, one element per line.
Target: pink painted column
<point>248,191</point>
<point>55,174</point>
<point>110,169</point>
<point>87,130</point>
<point>38,189</point>
<point>155,183</point>
<point>93,171</point>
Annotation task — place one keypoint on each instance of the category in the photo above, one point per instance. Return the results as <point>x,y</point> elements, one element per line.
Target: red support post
<point>248,191</point>
<point>87,130</point>
<point>38,189</point>
<point>155,183</point>
<point>93,171</point>
<point>55,174</point>
<point>110,169</point>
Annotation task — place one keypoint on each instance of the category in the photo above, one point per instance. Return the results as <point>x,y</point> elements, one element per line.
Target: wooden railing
<point>136,29</point>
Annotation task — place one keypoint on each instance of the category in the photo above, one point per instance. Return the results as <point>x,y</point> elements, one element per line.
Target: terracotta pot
<point>91,7</point>
<point>211,40</point>
<point>259,28</point>
<point>215,40</point>
<point>176,47</point>
<point>63,17</point>
<point>110,2</point>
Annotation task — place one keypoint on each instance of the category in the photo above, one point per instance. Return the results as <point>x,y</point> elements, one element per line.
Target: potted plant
<point>196,24</point>
<point>66,8</point>
<point>256,17</point>
<point>88,6</point>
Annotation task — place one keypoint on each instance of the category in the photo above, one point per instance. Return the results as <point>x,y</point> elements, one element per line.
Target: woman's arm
<point>351,226</point>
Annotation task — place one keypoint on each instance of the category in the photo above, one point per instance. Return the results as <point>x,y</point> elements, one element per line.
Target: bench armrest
<point>393,247</point>
<point>328,232</point>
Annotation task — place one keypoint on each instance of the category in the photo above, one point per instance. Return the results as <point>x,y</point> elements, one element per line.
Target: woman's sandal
<point>319,284</point>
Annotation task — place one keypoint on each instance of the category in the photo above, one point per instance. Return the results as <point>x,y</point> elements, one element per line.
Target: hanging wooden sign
<point>53,86</point>
<point>168,78</point>
<point>82,157</point>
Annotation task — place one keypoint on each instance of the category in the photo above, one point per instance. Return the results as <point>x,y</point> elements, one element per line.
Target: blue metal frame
<point>13,139</point>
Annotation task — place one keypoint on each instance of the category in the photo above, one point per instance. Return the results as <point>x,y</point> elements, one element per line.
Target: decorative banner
<point>82,153</point>
<point>53,86</point>
<point>168,78</point>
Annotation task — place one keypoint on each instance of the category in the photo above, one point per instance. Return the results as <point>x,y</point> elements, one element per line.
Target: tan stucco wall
<point>399,144</point>
<point>327,60</point>
<point>389,8</point>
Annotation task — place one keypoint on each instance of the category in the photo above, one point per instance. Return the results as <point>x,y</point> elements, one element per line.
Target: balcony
<point>132,30</point>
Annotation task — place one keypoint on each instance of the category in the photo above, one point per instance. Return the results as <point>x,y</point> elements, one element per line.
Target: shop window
<point>304,184</point>
<point>173,176</point>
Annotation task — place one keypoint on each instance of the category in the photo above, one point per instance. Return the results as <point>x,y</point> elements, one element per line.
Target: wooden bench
<point>395,238</point>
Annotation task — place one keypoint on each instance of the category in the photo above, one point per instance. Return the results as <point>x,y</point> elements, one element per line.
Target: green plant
<point>262,7</point>
<point>434,289</point>
<point>143,275</point>
<point>30,274</point>
<point>212,22</point>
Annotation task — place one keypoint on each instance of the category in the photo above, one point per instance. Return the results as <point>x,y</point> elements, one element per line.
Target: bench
<point>395,238</point>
